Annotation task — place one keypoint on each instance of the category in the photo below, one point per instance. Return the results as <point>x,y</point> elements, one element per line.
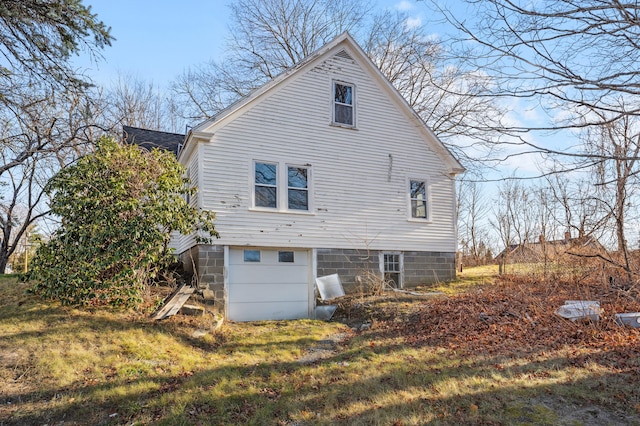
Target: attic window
<point>343,103</point>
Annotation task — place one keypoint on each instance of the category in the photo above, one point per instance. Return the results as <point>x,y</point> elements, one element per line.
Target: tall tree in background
<point>450,99</point>
<point>266,38</point>
<point>38,37</point>
<point>515,218</point>
<point>570,57</point>
<point>42,134</point>
<point>578,63</point>
<point>472,212</point>
<point>269,36</point>
<point>131,101</point>
<point>44,114</point>
<point>615,154</point>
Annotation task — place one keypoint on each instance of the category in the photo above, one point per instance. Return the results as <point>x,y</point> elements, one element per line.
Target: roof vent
<point>344,55</point>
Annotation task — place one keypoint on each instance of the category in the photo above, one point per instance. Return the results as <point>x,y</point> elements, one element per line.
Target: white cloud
<point>404,6</point>
<point>413,22</point>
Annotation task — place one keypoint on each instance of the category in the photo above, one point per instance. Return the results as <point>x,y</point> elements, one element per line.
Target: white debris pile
<point>576,310</point>
<point>632,319</point>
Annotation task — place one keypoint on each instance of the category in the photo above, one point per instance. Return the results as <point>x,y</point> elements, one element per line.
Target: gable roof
<point>149,139</point>
<point>343,44</point>
<point>532,251</point>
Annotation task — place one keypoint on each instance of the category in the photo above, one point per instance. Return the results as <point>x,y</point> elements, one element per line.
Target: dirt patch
<point>324,348</point>
<point>567,413</point>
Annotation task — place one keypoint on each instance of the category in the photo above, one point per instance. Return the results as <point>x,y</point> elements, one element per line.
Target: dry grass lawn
<point>491,354</point>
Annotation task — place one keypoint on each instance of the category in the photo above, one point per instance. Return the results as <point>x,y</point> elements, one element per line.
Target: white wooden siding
<point>180,243</point>
<point>359,202</point>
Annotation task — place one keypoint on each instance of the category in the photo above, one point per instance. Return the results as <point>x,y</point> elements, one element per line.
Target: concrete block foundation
<point>355,267</point>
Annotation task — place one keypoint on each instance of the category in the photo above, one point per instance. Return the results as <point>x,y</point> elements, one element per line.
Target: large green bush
<point>117,207</point>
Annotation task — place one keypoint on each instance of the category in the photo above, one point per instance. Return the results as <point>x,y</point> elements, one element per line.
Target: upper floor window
<point>418,199</point>
<point>343,97</point>
<point>297,188</point>
<point>266,185</point>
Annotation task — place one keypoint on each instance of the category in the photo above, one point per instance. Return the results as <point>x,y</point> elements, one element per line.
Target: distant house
<point>549,250</point>
<point>325,169</point>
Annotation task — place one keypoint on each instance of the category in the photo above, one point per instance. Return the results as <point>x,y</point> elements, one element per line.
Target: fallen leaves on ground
<point>515,315</point>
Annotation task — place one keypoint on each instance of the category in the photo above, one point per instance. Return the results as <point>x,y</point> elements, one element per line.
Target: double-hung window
<point>418,198</point>
<point>297,188</point>
<point>271,192</point>
<point>392,269</point>
<point>343,103</point>
<point>266,185</point>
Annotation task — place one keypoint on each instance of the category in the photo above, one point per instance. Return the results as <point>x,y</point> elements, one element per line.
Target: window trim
<point>334,103</point>
<point>427,187</point>
<point>307,167</point>
<point>282,187</point>
<point>254,184</point>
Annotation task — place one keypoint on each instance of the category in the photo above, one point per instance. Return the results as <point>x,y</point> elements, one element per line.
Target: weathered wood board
<point>174,302</point>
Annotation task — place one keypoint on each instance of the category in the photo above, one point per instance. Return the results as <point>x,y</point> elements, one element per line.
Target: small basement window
<point>343,103</point>
<point>392,269</point>
<point>252,255</point>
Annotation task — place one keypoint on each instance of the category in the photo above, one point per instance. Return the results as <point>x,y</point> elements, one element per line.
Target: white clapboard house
<point>325,169</point>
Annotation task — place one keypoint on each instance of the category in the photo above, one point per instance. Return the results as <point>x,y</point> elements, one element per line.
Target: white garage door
<point>268,284</point>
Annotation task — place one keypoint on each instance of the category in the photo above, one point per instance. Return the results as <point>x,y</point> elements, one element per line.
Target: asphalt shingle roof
<point>149,139</point>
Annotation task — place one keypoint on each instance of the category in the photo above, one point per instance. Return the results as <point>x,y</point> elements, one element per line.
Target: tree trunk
<point>621,199</point>
<point>4,259</point>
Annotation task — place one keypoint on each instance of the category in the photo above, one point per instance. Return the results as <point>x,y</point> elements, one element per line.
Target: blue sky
<point>157,40</point>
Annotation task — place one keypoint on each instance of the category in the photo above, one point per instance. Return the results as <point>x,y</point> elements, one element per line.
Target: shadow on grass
<point>350,387</point>
<point>373,379</point>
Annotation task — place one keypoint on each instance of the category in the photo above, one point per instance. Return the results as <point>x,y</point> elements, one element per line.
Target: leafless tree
<point>449,98</point>
<point>200,92</point>
<point>617,142</point>
<point>132,101</point>
<point>578,209</point>
<point>574,56</point>
<point>473,213</point>
<point>40,134</point>
<point>266,38</point>
<point>520,214</point>
<point>576,62</point>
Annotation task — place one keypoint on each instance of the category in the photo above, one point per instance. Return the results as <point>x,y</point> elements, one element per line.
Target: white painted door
<point>268,284</point>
